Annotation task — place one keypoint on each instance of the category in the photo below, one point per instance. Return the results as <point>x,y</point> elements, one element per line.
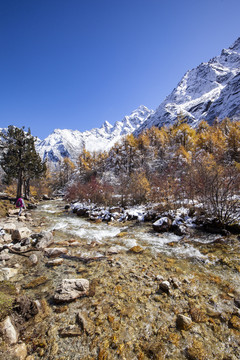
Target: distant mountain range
<point>69,143</point>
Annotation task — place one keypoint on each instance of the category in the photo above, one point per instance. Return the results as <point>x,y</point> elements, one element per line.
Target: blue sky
<point>74,64</point>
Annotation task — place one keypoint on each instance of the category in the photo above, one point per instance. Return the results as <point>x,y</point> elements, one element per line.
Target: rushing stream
<point>140,282</point>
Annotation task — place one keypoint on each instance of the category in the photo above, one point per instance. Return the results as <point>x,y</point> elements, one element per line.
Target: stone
<point>20,351</point>
<point>183,322</point>
<point>4,255</point>
<point>55,262</point>
<point>45,197</point>
<point>162,225</point>
<point>85,323</point>
<point>13,212</point>
<point>237,302</point>
<point>54,252</point>
<point>16,236</point>
<point>7,273</point>
<point>70,331</point>
<point>20,233</point>
<point>136,249</point>
<point>82,212</point>
<point>9,332</point>
<point>33,259</point>
<point>112,250</point>
<point>9,227</point>
<point>26,308</point>
<point>43,239</point>
<point>71,289</point>
<point>165,286</point>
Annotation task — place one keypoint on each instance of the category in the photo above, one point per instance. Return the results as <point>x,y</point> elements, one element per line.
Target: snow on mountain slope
<point>211,90</point>
<point>69,143</point>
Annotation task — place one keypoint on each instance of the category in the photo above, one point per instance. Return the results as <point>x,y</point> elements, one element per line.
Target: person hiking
<point>20,204</point>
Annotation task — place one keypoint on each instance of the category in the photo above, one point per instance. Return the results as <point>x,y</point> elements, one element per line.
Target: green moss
<point>7,297</point>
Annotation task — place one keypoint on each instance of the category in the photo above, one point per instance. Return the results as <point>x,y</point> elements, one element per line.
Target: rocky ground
<point>56,302</point>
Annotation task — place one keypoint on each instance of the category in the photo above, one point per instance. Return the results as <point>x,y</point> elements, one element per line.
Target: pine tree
<point>20,160</point>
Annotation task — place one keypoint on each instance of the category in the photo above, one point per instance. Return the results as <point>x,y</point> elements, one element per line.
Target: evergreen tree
<point>20,160</point>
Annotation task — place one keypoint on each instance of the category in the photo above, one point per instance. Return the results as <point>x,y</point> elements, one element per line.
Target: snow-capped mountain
<point>69,143</point>
<point>209,91</point>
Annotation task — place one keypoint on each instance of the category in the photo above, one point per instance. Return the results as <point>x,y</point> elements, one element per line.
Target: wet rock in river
<point>7,273</point>
<point>85,323</point>
<point>20,351</point>
<point>70,331</point>
<point>33,259</point>
<point>165,287</point>
<point>55,262</point>
<point>54,252</point>
<point>162,225</point>
<point>136,249</point>
<point>237,302</point>
<point>71,289</point>
<point>43,239</point>
<point>113,250</point>
<point>183,322</point>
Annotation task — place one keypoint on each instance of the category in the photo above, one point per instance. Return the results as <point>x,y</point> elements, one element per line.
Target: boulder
<point>165,287</point>
<point>46,197</point>
<point>71,289</point>
<point>13,212</point>
<point>43,239</point>
<point>16,236</point>
<point>150,216</point>
<point>112,250</point>
<point>54,252</point>
<point>183,322</point>
<point>20,233</point>
<point>162,225</point>
<point>82,212</point>
<point>20,351</point>
<point>85,323</point>
<point>9,332</point>
<point>7,273</point>
<point>9,227</point>
<point>33,259</point>
<point>136,249</point>
<point>55,262</point>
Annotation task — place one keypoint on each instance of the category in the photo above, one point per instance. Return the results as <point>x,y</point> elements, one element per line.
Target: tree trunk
<point>20,184</point>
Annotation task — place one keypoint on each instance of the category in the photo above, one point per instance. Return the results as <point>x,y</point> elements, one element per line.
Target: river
<point>129,313</point>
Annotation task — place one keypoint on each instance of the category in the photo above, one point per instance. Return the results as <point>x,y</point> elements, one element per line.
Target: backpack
<point>19,203</point>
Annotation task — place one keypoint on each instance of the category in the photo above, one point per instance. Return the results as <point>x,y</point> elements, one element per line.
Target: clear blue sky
<point>76,63</point>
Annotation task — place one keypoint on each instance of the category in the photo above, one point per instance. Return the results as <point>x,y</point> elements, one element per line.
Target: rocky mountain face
<point>69,143</point>
<point>210,91</point>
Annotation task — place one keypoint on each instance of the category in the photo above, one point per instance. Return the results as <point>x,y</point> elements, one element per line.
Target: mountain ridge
<point>70,143</point>
<point>210,90</point>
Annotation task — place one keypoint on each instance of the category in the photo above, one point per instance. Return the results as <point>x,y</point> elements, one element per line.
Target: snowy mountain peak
<point>236,45</point>
<point>208,91</point>
<point>69,143</point>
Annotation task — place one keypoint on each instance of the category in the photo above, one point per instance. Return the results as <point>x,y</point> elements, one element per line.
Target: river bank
<point>145,295</point>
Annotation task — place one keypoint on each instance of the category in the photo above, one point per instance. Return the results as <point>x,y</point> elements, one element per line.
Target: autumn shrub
<point>217,188</point>
<point>93,191</point>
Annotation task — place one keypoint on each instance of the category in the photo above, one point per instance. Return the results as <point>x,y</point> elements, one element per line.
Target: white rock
<point>55,262</point>
<point>53,252</point>
<point>7,273</point>
<point>71,289</point>
<point>9,227</point>
<point>33,259</point>
<point>9,332</point>
<point>20,351</point>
